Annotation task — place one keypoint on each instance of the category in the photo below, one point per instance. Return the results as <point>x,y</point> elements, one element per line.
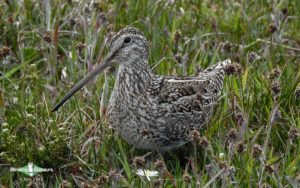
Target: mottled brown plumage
<point>150,111</point>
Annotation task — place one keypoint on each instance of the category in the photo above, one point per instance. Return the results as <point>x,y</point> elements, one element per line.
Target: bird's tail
<point>219,65</point>
<point>215,76</point>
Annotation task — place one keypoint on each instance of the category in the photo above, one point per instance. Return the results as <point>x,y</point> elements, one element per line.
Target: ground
<point>252,139</point>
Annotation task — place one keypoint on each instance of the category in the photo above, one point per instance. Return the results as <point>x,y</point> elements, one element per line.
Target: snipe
<point>150,111</point>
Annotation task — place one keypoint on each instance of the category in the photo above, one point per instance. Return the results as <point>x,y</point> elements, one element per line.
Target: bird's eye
<point>127,40</point>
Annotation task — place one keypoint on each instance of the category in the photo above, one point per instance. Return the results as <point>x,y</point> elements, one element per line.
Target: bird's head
<point>127,46</point>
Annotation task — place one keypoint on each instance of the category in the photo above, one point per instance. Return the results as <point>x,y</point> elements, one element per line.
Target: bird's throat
<point>131,83</point>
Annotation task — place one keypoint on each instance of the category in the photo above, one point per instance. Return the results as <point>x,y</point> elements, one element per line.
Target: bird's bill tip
<point>97,70</point>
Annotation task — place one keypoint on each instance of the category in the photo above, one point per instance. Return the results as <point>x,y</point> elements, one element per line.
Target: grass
<point>252,139</point>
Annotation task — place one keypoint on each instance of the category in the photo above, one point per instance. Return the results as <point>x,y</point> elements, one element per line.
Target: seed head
<point>240,118</point>
<point>158,183</point>
<point>114,175</point>
<point>66,184</point>
<point>214,24</point>
<point>272,28</point>
<point>102,180</point>
<point>256,150</point>
<point>297,92</point>
<point>47,37</point>
<point>269,168</point>
<point>75,169</point>
<point>294,134</point>
<point>232,134</point>
<point>159,165</point>
<point>209,168</point>
<point>240,147</point>
<point>178,58</point>
<point>275,73</point>
<point>275,87</point>
<point>276,116</point>
<point>204,143</point>
<point>177,36</point>
<point>5,51</point>
<point>223,164</point>
<point>187,178</point>
<point>234,68</point>
<point>10,19</point>
<point>80,47</point>
<point>252,56</point>
<point>195,134</point>
<point>230,69</point>
<point>198,70</point>
<point>139,161</point>
<point>87,10</point>
<point>103,17</point>
<point>227,47</point>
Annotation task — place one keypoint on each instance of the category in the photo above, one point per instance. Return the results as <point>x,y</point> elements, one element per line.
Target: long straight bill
<point>98,69</point>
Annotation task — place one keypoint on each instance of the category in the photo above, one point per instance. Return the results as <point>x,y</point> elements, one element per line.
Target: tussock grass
<point>252,139</point>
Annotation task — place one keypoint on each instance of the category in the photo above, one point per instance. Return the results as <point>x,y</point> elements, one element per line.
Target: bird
<point>149,111</point>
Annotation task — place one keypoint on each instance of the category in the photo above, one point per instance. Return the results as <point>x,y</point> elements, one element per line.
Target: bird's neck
<point>134,78</point>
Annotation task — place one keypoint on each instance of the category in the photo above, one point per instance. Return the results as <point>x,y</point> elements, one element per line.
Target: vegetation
<point>252,139</point>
